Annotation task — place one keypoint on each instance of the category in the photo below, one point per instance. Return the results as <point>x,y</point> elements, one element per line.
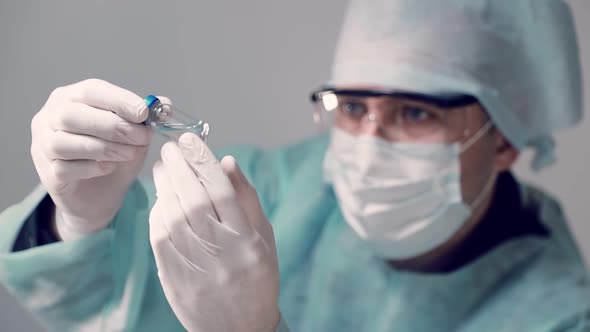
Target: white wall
<point>244,66</point>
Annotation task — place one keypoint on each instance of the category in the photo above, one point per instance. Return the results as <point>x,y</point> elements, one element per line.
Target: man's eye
<point>417,114</point>
<point>353,109</point>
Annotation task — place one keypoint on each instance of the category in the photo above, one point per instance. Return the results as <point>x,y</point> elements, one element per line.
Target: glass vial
<point>172,122</point>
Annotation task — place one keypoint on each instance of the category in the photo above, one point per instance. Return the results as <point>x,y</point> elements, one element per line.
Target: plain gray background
<point>244,66</point>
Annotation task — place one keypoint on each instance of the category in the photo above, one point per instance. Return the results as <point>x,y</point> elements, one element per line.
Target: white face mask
<point>404,199</point>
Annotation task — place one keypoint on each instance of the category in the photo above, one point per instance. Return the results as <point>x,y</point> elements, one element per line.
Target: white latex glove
<point>88,146</point>
<point>213,245</point>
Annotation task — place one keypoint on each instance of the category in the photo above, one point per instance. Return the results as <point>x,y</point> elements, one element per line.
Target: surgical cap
<point>519,58</point>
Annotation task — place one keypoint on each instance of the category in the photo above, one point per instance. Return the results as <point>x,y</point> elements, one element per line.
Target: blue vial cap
<point>150,101</point>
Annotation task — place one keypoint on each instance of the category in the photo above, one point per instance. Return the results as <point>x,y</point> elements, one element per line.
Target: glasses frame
<point>443,100</point>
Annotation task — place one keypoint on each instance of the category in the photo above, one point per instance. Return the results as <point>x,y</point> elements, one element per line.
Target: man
<point>406,218</point>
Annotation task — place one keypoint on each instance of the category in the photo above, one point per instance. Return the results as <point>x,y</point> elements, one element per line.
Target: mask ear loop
<point>482,194</point>
<point>482,131</point>
<point>492,179</point>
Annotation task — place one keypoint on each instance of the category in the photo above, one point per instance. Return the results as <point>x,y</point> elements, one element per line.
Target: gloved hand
<point>88,146</point>
<point>213,245</point>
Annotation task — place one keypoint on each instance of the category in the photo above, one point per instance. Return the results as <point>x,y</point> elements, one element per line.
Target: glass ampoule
<point>172,122</point>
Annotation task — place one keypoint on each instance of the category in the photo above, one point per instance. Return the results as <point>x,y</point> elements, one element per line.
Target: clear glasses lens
<point>399,118</point>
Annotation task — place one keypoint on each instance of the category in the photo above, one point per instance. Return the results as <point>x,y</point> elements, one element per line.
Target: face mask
<point>404,199</point>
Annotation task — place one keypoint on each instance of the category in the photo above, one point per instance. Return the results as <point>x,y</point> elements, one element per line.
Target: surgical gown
<point>330,281</point>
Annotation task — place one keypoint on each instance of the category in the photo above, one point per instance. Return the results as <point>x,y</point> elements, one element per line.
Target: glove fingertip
<point>229,163</point>
<point>234,172</point>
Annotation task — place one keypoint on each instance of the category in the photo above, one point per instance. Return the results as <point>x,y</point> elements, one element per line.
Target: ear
<point>506,153</point>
